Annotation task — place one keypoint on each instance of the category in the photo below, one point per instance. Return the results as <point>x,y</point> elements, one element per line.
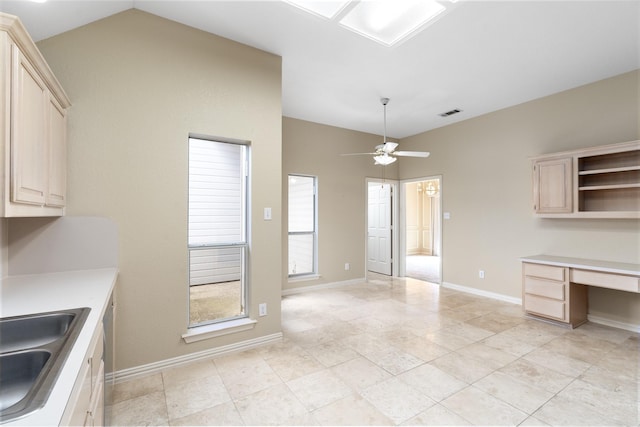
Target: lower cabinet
<point>86,404</point>
<point>547,292</point>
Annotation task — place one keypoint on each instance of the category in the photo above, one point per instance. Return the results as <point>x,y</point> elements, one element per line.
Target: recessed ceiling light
<point>327,9</point>
<point>390,21</point>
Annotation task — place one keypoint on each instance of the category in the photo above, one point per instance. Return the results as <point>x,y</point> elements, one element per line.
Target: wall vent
<point>449,113</point>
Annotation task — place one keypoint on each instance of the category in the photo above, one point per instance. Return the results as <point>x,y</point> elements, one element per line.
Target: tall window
<point>218,177</point>
<point>303,237</point>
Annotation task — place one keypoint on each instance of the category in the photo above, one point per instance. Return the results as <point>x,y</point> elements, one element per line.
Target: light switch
<point>447,215</point>
<point>267,214</point>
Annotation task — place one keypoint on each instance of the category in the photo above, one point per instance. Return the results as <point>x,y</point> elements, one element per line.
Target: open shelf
<point>596,182</point>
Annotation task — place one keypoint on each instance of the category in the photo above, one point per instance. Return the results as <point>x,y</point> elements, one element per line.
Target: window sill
<point>306,278</point>
<point>218,329</point>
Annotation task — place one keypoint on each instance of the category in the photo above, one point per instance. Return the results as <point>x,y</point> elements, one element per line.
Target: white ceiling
<point>479,57</point>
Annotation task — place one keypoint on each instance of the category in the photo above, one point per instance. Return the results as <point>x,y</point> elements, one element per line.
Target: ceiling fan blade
<point>412,153</point>
<point>388,147</point>
<point>358,154</point>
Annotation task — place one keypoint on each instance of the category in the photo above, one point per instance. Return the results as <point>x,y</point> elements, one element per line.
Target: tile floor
<point>402,352</point>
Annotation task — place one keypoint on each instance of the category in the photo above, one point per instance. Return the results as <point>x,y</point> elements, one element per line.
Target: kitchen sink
<point>33,349</point>
<point>33,331</point>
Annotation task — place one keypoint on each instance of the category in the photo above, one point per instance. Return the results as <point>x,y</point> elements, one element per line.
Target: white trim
<point>304,278</point>
<point>200,333</point>
<point>303,289</point>
<point>613,323</point>
<point>482,293</point>
<point>151,368</point>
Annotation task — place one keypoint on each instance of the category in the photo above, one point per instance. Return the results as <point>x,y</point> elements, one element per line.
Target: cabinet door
<point>28,144</point>
<point>552,186</point>
<point>57,137</point>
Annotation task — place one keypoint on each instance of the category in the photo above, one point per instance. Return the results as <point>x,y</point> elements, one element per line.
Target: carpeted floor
<point>424,267</point>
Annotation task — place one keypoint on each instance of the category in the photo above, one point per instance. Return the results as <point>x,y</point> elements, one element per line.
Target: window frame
<point>313,233</point>
<point>243,244</point>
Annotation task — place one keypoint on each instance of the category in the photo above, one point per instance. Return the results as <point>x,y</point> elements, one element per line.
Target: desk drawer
<point>545,307</point>
<point>606,280</point>
<point>544,271</point>
<point>544,288</point>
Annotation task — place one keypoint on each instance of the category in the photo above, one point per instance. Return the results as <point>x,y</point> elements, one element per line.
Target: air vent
<point>450,113</point>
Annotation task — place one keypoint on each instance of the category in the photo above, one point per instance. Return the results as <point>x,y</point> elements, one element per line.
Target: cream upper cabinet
<point>34,128</point>
<point>552,187</point>
<point>596,182</point>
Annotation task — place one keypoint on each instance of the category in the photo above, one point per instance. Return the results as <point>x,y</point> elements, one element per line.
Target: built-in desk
<point>556,287</point>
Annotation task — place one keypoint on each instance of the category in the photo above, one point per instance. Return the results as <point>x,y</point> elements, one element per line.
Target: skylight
<point>385,21</point>
<point>390,21</point>
<point>327,9</point>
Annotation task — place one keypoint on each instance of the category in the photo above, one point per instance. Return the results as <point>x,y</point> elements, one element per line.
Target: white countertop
<point>629,269</point>
<point>40,293</point>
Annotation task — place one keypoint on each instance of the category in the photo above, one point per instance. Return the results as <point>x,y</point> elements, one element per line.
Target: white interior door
<point>379,228</point>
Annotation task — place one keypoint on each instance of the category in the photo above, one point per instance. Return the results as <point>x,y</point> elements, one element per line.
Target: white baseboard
<point>613,323</point>
<point>303,289</point>
<point>152,368</point>
<point>482,293</point>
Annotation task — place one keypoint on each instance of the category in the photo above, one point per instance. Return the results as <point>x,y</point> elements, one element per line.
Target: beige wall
<point>4,247</point>
<point>139,85</point>
<point>314,149</point>
<point>487,189</point>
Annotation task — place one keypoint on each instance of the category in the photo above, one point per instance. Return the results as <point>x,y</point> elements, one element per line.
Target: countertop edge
<point>57,291</point>
<point>628,269</point>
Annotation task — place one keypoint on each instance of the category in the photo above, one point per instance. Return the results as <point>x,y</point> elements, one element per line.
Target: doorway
<point>421,240</point>
<point>381,214</point>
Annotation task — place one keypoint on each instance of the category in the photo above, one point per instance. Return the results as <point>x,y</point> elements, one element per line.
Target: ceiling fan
<point>385,153</point>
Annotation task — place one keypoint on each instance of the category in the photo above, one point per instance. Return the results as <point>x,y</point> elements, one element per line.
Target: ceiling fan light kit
<point>385,153</point>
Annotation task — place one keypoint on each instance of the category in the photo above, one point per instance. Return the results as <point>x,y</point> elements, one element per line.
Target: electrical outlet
<point>481,274</point>
<point>347,266</point>
<point>262,309</point>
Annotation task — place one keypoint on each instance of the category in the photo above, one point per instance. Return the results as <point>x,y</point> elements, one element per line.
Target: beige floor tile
<point>393,360</point>
<point>186,398</point>
<point>423,349</point>
<point>465,330</point>
<point>537,375</point>
<point>509,345</point>
<point>360,373</point>
<point>272,406</point>
<point>491,357</point>
<point>137,387</point>
<point>607,333</point>
<point>616,381</point>
<point>535,332</point>
<point>559,362</point>
<point>561,411</point>
<point>319,389</point>
<point>364,343</point>
<point>481,408</point>
<point>189,372</point>
<point>464,368</point>
<point>294,365</point>
<point>150,410</point>
<point>249,378</point>
<point>618,405</point>
<point>353,410</point>
<point>527,398</point>
<point>447,340</point>
<point>432,382</point>
<point>432,343</point>
<point>224,414</point>
<point>495,322</point>
<point>332,353</point>
<point>437,415</point>
<point>580,347</point>
<point>532,422</point>
<point>397,400</point>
